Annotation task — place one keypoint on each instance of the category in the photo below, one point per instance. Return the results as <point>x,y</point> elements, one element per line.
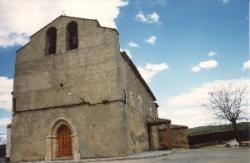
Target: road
<point>214,155</point>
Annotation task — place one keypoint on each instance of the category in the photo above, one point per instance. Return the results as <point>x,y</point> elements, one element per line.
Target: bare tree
<point>227,104</point>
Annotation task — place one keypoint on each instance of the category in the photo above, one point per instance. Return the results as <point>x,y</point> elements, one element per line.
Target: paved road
<point>216,155</point>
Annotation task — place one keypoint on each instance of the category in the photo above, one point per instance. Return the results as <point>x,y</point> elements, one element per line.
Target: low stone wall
<point>217,137</point>
<point>179,136</point>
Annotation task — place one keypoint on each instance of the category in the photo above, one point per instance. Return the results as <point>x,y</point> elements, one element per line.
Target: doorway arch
<point>62,141</point>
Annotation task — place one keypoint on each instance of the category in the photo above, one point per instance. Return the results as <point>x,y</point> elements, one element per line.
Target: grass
<point>215,129</point>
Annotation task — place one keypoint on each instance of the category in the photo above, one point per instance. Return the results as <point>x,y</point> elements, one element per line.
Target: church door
<point>64,141</point>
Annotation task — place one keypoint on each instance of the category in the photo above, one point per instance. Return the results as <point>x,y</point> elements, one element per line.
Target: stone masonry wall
<point>94,127</point>
<point>179,137</point>
<point>88,73</point>
<point>74,84</point>
<point>165,137</point>
<point>139,105</point>
<point>92,87</point>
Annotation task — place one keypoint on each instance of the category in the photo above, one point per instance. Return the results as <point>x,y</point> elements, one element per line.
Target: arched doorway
<point>64,141</point>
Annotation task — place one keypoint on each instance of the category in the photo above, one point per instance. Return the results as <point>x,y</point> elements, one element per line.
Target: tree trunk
<point>235,131</point>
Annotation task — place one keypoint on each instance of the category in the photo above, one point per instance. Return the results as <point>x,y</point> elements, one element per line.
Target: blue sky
<point>182,48</point>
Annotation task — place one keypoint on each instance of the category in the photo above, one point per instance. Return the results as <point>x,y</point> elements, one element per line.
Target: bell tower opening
<point>72,36</point>
<point>51,41</point>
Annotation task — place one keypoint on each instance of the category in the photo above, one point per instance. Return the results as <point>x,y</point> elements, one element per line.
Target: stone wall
<point>179,136</point>
<point>93,127</point>
<point>88,73</point>
<point>140,104</point>
<point>80,86</point>
<point>8,141</point>
<point>165,137</point>
<point>93,90</point>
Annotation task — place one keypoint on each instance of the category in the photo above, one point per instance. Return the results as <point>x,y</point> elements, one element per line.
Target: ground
<point>209,155</point>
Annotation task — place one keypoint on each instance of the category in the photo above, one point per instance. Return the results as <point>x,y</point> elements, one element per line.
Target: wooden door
<point>64,142</point>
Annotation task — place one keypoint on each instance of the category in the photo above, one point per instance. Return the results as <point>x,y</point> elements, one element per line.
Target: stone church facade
<point>77,96</point>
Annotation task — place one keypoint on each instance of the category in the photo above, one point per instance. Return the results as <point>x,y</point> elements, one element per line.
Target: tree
<point>227,104</point>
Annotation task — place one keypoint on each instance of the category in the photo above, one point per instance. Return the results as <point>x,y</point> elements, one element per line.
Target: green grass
<point>215,129</point>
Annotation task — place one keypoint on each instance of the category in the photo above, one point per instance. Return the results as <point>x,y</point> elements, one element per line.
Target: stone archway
<point>155,122</point>
<point>62,125</point>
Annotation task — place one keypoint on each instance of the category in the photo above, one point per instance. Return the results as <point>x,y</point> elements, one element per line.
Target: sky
<point>182,48</point>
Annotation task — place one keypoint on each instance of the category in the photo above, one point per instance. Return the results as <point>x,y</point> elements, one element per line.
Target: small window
<point>140,103</point>
<point>72,36</point>
<point>131,98</point>
<point>51,41</point>
<point>150,110</point>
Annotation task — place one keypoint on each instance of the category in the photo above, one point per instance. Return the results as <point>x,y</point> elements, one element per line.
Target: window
<point>50,41</point>
<point>72,36</point>
<point>131,98</point>
<point>150,111</point>
<point>140,103</point>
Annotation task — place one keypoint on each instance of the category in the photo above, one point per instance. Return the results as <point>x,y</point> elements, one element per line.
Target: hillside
<point>244,126</point>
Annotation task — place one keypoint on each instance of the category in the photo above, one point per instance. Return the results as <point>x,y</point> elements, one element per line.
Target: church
<point>77,96</point>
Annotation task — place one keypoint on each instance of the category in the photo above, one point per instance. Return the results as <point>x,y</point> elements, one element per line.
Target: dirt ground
<point>218,154</point>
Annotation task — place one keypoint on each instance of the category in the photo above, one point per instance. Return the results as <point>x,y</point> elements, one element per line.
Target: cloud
<point>151,40</point>
<point>5,121</point>
<point>196,69</point>
<point>6,87</point>
<point>127,52</point>
<point>132,44</point>
<point>17,23</point>
<point>2,138</point>
<point>186,108</point>
<point>13,39</point>
<point>3,125</point>
<point>225,1</point>
<point>246,65</point>
<point>150,70</point>
<point>193,117</point>
<point>212,53</point>
<point>149,18</point>
<point>209,64</point>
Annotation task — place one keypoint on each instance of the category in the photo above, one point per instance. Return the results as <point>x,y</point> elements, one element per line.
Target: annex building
<point>77,96</point>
